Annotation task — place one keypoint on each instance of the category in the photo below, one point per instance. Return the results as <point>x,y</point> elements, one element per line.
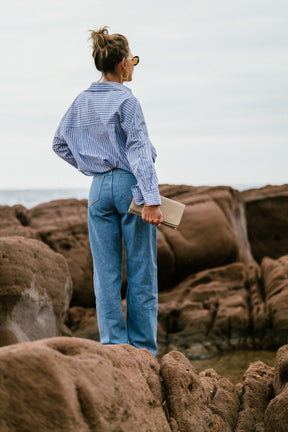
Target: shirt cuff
<point>150,197</point>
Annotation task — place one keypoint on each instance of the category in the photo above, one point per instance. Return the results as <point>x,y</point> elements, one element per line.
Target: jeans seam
<point>111,189</point>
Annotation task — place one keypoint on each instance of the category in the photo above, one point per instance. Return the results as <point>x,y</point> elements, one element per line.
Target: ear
<point>122,64</point>
<point>120,68</point>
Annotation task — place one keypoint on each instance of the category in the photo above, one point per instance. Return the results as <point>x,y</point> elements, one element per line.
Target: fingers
<point>152,215</point>
<point>155,222</point>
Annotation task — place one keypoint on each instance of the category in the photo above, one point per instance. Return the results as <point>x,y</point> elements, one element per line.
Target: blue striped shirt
<point>104,128</point>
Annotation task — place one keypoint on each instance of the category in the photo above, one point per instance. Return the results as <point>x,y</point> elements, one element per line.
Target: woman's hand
<point>152,214</point>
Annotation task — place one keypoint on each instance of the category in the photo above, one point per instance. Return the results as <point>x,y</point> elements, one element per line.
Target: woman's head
<point>111,54</point>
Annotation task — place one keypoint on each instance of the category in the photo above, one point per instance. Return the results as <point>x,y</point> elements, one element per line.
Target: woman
<point>104,134</point>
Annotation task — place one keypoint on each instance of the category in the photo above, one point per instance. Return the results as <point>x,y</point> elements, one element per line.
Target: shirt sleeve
<point>140,153</point>
<point>61,148</point>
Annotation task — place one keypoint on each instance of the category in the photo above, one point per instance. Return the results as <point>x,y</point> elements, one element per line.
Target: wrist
<point>151,205</point>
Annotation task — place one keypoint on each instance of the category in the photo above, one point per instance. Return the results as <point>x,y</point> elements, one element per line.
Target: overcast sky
<point>212,81</point>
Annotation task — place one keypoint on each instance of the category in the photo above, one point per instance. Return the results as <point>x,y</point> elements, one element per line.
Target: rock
<point>281,370</point>
<point>276,413</point>
<point>259,320</point>
<point>199,313</point>
<point>197,403</point>
<point>165,261</point>
<point>83,322</point>
<point>76,385</point>
<point>206,238</point>
<point>275,282</point>
<point>256,393</point>
<point>207,313</point>
<point>212,232</point>
<point>62,224</point>
<point>15,221</point>
<point>35,290</point>
<point>224,398</point>
<point>215,311</point>
<point>266,214</point>
<point>229,307</point>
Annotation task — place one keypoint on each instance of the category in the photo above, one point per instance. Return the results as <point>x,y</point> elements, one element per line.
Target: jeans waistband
<point>111,172</point>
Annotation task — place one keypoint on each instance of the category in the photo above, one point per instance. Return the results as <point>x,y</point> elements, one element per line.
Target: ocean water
<point>31,197</point>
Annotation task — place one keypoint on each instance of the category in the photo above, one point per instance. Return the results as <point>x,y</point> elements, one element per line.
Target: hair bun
<point>100,38</point>
<point>108,50</point>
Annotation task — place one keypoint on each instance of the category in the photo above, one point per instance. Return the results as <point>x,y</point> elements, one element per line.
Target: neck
<point>113,77</point>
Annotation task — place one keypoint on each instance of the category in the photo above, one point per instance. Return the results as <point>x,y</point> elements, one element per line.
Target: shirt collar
<point>107,86</point>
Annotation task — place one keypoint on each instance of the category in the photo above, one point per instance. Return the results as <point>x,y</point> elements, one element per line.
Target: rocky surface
<point>215,311</point>
<point>266,216</point>
<point>35,290</point>
<point>207,313</point>
<point>275,418</point>
<point>227,308</point>
<point>255,392</point>
<point>70,384</point>
<point>202,403</point>
<point>275,282</point>
<point>83,322</point>
<point>78,385</point>
<point>217,290</point>
<point>211,233</point>
<point>62,225</point>
<point>14,221</point>
<point>223,285</point>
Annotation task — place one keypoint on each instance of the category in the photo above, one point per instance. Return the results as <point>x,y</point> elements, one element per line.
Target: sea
<point>32,197</point>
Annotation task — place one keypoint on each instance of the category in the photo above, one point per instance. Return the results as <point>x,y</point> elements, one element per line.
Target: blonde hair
<point>108,50</point>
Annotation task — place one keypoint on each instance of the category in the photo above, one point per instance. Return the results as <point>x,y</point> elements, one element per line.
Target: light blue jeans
<point>109,222</point>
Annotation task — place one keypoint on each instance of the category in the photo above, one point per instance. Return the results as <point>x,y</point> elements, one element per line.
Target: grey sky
<point>212,81</point>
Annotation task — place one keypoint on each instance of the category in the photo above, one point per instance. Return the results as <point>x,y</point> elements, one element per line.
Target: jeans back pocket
<point>95,189</point>
<point>127,181</point>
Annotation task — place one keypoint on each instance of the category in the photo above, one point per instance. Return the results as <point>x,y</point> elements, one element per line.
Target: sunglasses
<point>135,60</point>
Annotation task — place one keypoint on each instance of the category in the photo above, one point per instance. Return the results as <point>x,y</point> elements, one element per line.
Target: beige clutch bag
<point>172,211</point>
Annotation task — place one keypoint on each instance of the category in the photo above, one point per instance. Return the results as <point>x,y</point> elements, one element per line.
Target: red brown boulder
<point>266,215</point>
<point>276,413</point>
<point>197,403</point>
<point>14,221</point>
<point>62,224</point>
<point>76,385</point>
<point>207,313</point>
<point>212,233</point>
<point>256,391</point>
<point>35,290</point>
<point>275,282</point>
